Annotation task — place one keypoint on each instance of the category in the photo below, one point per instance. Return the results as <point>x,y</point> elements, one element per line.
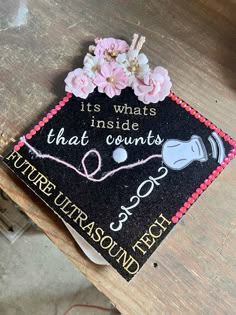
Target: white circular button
<point>119,155</point>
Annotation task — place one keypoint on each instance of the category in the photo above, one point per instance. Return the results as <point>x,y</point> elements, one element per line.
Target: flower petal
<point>161,71</point>
<point>101,89</point>
<point>142,59</point>
<point>106,70</point>
<point>132,54</point>
<point>99,80</point>
<point>144,69</point>
<point>118,73</point>
<point>146,78</point>
<point>69,78</point>
<point>110,90</point>
<point>78,72</point>
<point>121,58</point>
<point>165,90</point>
<point>68,89</point>
<point>150,98</point>
<point>121,85</point>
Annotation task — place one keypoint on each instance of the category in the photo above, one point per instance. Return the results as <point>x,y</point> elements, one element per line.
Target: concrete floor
<point>37,279</point>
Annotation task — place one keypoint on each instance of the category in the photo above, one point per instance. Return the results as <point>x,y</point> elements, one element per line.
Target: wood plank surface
<point>40,41</point>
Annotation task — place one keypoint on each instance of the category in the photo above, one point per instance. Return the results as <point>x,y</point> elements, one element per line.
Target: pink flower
<point>92,64</point>
<point>79,83</point>
<point>153,87</point>
<point>110,48</point>
<point>111,79</point>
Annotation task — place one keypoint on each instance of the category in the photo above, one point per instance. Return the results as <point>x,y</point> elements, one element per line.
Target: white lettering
<point>150,139</point>
<point>61,139</point>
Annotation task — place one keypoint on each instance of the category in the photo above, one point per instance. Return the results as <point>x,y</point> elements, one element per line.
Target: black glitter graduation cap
<point>120,159</point>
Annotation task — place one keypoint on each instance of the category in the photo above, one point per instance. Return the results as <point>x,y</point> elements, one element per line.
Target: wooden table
<point>42,40</point>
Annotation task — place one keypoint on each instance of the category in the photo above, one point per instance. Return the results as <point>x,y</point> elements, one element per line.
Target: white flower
<point>134,64</point>
<point>92,64</point>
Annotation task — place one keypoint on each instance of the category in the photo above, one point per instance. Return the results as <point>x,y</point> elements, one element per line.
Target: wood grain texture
<point>196,41</point>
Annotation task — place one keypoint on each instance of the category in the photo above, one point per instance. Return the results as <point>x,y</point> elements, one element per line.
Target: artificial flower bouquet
<point>111,65</point>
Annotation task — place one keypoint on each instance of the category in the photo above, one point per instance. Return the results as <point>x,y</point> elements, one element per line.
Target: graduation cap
<point>143,187</point>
